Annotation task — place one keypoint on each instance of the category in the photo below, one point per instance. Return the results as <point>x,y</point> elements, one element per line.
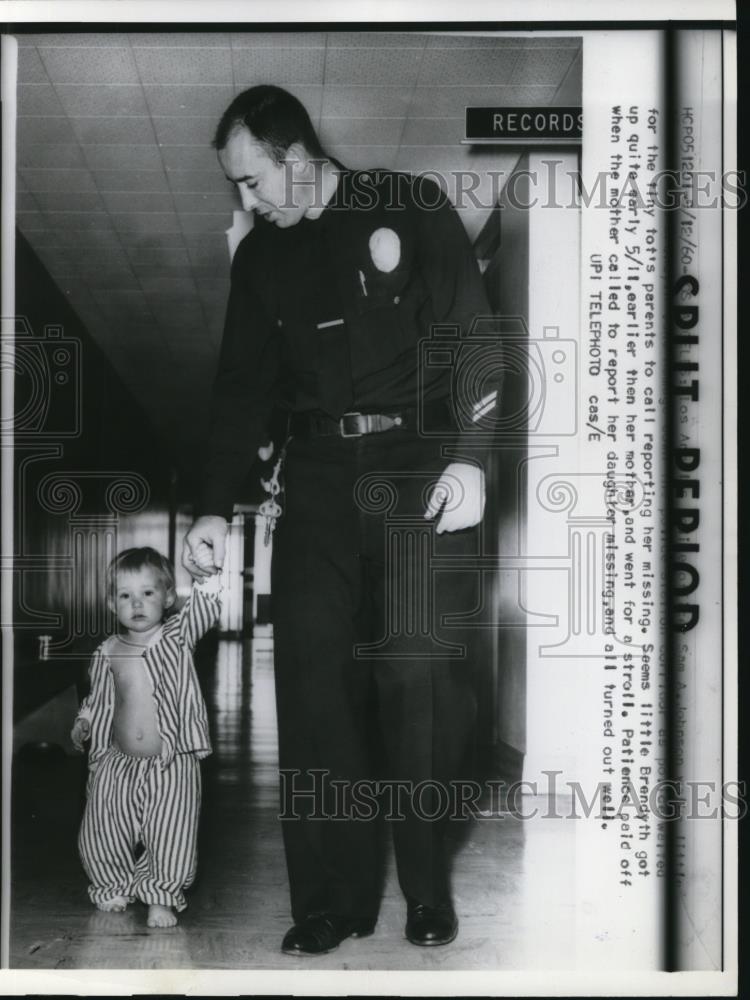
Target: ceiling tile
<point>542,66</point>
<point>132,299</point>
<point>61,201</point>
<point>120,280</point>
<point>50,154</point>
<point>206,223</point>
<point>128,312</point>
<point>378,39</point>
<point>489,40</point>
<point>361,131</point>
<point>33,222</point>
<point>116,131</point>
<point>451,102</point>
<point>151,241</point>
<point>38,99</point>
<point>136,201</point>
<point>92,259</point>
<point>280,39</point>
<point>206,181</point>
<point>161,271</point>
<point>377,66</point>
<point>145,181</point>
<point>433,131</point>
<point>81,40</point>
<point>146,222</point>
<point>75,221</point>
<point>26,202</point>
<point>30,67</point>
<point>86,100</point>
<point>62,179</point>
<point>39,130</point>
<point>193,101</point>
<point>91,64</point>
<point>571,88</point>
<point>226,202</point>
<point>463,67</point>
<point>363,102</point>
<point>278,66</point>
<point>189,158</point>
<point>96,241</point>
<point>59,260</point>
<point>185,131</point>
<point>159,256</point>
<point>184,65</point>
<point>180,39</point>
<point>515,94</point>
<point>118,157</point>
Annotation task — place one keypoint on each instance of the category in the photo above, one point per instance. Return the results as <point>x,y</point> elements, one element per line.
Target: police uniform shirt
<point>327,315</point>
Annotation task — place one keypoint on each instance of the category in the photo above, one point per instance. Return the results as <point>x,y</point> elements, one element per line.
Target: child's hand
<point>80,733</point>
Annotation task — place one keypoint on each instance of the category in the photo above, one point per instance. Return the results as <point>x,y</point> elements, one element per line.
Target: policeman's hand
<point>460,495</point>
<point>204,546</point>
<point>80,733</point>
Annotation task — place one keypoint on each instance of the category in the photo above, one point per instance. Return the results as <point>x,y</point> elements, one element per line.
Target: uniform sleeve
<point>244,390</point>
<point>200,612</point>
<point>450,270</point>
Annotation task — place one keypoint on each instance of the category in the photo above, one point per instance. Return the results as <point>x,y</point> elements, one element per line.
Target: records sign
<point>524,125</point>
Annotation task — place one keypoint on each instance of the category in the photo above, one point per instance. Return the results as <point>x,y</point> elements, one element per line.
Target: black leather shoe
<point>320,933</point>
<point>430,925</point>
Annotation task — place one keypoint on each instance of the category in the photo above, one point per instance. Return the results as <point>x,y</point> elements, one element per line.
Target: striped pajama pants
<point>132,801</point>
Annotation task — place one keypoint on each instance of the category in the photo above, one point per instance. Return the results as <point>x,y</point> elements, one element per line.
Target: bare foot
<point>161,916</point>
<point>116,904</point>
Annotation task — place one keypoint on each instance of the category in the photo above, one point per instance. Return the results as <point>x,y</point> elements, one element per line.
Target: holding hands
<point>204,546</point>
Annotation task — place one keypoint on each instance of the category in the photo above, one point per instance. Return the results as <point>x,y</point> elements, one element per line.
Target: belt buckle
<point>344,434</point>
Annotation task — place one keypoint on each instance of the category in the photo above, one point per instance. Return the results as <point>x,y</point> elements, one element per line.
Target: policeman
<point>342,276</point>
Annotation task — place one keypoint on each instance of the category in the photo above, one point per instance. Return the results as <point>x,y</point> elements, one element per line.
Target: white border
<point>365,12</point>
<point>315,982</point>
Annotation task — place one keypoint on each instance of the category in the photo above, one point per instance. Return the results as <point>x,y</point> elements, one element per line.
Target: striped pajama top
<point>168,659</point>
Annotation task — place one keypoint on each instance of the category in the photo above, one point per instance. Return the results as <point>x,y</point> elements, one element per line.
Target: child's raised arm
<point>200,612</point>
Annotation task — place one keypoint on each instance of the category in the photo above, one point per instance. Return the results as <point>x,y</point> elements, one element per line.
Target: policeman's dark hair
<point>274,117</point>
<point>133,560</point>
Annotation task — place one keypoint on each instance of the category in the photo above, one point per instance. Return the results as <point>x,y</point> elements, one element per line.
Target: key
<point>271,511</point>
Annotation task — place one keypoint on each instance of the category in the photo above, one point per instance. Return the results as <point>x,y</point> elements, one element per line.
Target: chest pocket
<point>389,290</point>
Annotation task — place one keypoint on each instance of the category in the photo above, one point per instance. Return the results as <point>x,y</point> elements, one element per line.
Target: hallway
<point>513,879</point>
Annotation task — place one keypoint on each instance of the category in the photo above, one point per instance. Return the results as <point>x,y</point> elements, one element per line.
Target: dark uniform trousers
<point>351,565</point>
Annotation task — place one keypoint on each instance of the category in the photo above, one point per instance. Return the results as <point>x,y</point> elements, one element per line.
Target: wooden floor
<point>513,879</point>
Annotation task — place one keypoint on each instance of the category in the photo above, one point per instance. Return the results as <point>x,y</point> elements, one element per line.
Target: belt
<point>313,423</point>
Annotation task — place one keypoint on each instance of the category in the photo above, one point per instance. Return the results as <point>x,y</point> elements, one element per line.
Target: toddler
<point>147,723</point>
